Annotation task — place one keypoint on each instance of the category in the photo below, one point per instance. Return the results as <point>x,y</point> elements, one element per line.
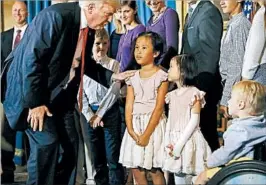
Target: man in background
<point>202,38</point>
<point>9,40</point>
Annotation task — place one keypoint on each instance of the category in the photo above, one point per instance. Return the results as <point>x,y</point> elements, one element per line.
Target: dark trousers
<point>7,157</point>
<point>105,146</point>
<point>58,129</point>
<point>211,84</point>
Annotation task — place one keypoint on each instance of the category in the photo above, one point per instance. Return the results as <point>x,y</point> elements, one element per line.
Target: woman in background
<point>116,34</point>
<point>133,29</point>
<point>165,22</point>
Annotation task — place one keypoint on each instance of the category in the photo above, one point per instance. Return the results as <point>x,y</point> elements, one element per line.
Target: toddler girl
<point>187,148</point>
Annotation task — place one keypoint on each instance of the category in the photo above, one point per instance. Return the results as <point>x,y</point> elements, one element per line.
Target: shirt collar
<point>104,59</point>
<point>194,6</point>
<point>23,28</point>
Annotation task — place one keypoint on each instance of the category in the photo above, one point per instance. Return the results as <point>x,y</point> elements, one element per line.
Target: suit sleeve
<point>210,33</point>
<point>44,34</point>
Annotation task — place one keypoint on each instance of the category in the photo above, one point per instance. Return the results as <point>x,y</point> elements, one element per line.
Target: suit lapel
<point>9,41</point>
<point>194,14</point>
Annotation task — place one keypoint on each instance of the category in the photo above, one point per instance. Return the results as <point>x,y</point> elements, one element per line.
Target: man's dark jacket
<point>40,64</point>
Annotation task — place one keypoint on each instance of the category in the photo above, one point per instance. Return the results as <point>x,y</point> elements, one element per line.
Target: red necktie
<point>84,33</point>
<point>17,39</point>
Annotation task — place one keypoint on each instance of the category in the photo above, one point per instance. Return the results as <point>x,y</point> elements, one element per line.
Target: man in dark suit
<point>40,90</point>
<point>202,38</point>
<point>9,40</point>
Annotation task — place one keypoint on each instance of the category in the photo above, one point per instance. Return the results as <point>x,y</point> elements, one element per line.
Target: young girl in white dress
<point>143,142</point>
<point>187,148</point>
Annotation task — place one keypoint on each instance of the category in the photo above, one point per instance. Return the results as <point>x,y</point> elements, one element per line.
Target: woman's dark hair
<point>188,69</point>
<point>133,5</point>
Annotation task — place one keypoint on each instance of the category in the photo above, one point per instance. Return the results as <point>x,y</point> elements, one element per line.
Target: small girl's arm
<point>128,112</point>
<point>190,128</point>
<point>156,115</point>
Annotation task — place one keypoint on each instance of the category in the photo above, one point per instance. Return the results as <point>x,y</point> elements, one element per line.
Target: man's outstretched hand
<point>36,117</point>
<point>123,76</point>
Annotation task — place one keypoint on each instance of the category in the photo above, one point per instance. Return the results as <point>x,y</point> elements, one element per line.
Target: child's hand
<point>143,140</point>
<point>170,150</point>
<point>96,121</point>
<point>134,135</point>
<point>224,111</point>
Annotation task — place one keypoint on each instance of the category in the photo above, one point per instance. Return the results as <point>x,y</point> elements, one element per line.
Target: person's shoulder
<point>60,9</point>
<point>170,12</point>
<point>113,61</point>
<point>242,23</point>
<point>140,27</point>
<point>209,9</point>
<point>7,32</point>
<point>162,72</point>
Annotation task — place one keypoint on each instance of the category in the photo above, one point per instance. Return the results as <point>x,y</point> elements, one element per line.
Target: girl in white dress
<point>142,147</point>
<point>187,148</point>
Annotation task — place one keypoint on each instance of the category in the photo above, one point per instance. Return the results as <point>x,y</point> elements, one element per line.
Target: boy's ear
<point>156,54</point>
<point>241,104</point>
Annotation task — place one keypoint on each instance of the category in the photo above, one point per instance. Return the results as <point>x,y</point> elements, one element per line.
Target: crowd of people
<point>100,109</point>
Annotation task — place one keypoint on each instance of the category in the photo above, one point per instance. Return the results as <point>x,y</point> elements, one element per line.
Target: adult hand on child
<point>224,111</point>
<point>124,75</point>
<point>143,140</point>
<point>96,121</point>
<point>134,135</point>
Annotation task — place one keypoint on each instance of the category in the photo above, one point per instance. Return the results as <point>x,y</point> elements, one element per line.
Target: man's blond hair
<point>254,94</point>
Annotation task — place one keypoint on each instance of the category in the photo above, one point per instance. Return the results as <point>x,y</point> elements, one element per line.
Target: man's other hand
<point>36,117</point>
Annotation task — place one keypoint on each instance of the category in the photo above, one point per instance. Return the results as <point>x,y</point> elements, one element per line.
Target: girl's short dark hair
<point>156,40</point>
<point>188,69</point>
<point>157,43</point>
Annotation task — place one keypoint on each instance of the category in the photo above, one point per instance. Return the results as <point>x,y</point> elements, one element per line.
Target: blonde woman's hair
<point>254,94</point>
<point>102,33</point>
<point>118,25</point>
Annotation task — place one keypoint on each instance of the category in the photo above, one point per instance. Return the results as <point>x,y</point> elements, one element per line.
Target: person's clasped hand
<point>36,117</point>
<point>96,121</point>
<point>224,111</point>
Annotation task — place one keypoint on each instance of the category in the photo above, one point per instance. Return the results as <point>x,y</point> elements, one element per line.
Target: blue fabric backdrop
<point>35,6</point>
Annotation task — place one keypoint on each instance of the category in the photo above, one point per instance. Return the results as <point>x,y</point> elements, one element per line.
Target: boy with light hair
<point>247,106</point>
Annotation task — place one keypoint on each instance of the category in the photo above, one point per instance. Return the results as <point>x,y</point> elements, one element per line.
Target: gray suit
<point>202,38</point>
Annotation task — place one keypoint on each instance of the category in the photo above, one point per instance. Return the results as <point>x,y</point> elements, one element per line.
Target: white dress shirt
<point>95,94</point>
<point>255,54</point>
<point>23,29</point>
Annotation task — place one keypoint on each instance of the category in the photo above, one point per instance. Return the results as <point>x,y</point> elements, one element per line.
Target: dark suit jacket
<point>41,62</point>
<point>202,38</point>
<point>6,44</point>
